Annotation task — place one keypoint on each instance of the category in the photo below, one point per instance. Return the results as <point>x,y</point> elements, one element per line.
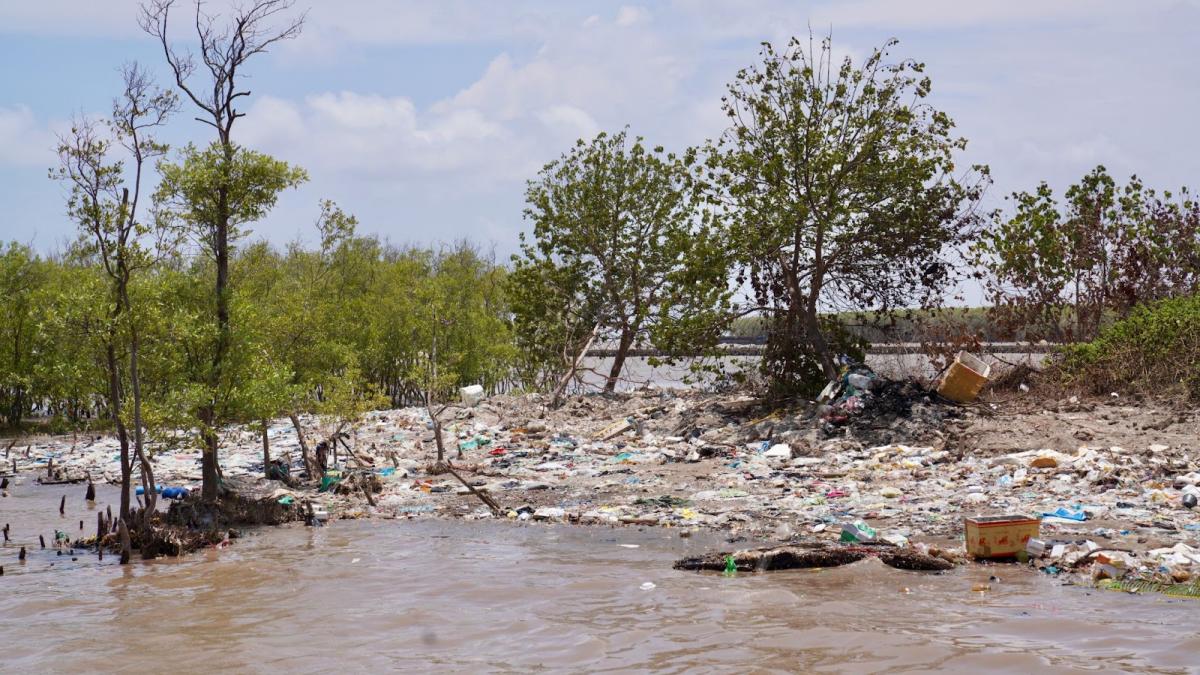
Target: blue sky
<point>425,119</point>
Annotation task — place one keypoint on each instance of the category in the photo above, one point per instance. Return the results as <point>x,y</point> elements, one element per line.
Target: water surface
<point>453,596</point>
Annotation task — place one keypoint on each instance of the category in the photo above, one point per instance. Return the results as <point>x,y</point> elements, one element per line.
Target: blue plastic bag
<point>174,493</point>
<point>1065,513</point>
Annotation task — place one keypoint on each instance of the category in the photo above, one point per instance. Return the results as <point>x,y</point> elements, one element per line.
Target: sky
<point>425,119</point>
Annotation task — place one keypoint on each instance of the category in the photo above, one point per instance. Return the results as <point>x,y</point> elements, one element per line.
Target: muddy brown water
<point>426,595</point>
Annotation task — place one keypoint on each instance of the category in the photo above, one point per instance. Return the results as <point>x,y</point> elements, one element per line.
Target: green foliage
<point>210,184</point>
<point>73,305</point>
<point>1061,271</point>
<point>793,368</point>
<point>549,328</point>
<point>623,245</point>
<point>333,331</point>
<point>840,183</point>
<point>1155,350</point>
<point>22,276</point>
<point>459,333</point>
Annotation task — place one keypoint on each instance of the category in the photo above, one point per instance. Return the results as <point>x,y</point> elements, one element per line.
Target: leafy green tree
<point>69,368</point>
<point>309,314</point>
<point>1061,270</point>
<point>105,208</point>
<point>224,187</point>
<point>21,275</point>
<point>839,184</point>
<point>212,195</point>
<point>622,246</point>
<point>552,329</point>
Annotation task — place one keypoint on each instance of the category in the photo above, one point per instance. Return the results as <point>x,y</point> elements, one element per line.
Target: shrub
<point>1155,350</point>
<point>792,368</point>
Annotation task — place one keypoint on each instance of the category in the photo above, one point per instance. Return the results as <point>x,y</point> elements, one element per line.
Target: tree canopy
<point>840,181</point>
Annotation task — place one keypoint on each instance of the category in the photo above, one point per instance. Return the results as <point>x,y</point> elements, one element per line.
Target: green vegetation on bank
<point>1155,350</point>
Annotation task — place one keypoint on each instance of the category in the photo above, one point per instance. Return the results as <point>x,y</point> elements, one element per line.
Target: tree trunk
<point>304,444</point>
<point>209,471</point>
<point>623,346</point>
<point>126,544</point>
<point>437,437</point>
<point>208,458</point>
<point>149,489</point>
<point>812,329</point>
<point>304,455</point>
<point>556,398</point>
<point>114,406</point>
<point>266,449</point>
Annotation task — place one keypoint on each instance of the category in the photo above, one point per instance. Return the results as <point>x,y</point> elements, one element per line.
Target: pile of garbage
<point>877,410</point>
<point>690,460</point>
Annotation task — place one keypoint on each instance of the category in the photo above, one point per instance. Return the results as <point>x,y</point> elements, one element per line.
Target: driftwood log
<point>798,557</point>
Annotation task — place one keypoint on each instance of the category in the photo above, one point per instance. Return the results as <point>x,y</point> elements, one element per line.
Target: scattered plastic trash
<point>1035,547</point>
<point>319,514</point>
<point>1076,514</point>
<point>173,492</point>
<point>857,531</point>
<point>621,461</point>
<point>419,508</point>
<point>471,395</point>
<point>330,479</point>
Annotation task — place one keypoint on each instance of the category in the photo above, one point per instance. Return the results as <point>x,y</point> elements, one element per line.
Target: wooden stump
<point>796,557</point>
<point>126,544</point>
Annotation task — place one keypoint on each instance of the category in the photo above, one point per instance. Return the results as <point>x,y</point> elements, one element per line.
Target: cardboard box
<point>966,377</point>
<point>1000,536</point>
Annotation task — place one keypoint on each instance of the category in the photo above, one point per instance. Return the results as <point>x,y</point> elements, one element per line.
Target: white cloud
<point>569,121</point>
<point>435,21</point>
<point>377,137</point>
<point>24,141</point>
<point>629,15</point>
<point>518,113</point>
<point>956,13</point>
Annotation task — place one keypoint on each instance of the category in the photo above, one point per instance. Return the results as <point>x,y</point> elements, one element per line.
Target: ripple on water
<point>453,596</point>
